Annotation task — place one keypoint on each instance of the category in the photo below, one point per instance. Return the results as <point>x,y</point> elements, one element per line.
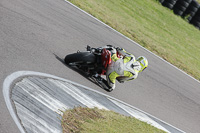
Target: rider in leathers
<point>123,69</point>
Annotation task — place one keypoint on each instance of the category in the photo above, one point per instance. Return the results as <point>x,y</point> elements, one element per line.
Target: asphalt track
<point>35,35</point>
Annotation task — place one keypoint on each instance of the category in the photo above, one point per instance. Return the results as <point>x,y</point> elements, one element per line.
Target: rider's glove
<point>119,49</point>
<point>120,81</point>
<point>113,51</point>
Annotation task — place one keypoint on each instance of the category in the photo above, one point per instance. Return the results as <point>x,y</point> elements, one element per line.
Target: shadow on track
<point>84,74</point>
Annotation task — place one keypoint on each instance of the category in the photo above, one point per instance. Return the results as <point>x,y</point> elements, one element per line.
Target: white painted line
<point>8,81</point>
<point>43,97</point>
<point>139,115</point>
<point>6,93</point>
<point>78,95</point>
<point>32,119</point>
<point>131,40</point>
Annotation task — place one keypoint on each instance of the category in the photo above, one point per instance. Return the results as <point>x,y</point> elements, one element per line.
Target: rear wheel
<point>80,58</point>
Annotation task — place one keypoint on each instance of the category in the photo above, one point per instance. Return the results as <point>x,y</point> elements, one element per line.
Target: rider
<point>123,69</point>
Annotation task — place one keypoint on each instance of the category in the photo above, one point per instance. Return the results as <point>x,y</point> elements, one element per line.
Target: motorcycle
<point>94,62</point>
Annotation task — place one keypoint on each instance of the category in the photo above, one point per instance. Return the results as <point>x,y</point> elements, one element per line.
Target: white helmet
<point>143,62</point>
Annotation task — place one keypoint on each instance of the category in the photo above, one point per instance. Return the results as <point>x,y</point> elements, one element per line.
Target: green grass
<point>86,120</point>
<point>152,26</point>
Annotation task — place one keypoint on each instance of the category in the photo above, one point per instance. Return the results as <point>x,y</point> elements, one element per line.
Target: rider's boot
<point>98,78</point>
<point>103,82</point>
<point>106,86</point>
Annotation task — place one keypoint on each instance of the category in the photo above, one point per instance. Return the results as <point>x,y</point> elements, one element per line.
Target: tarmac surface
<point>36,35</point>
<point>36,102</point>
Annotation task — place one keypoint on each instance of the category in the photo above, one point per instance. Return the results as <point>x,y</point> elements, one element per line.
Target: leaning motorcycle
<point>94,62</point>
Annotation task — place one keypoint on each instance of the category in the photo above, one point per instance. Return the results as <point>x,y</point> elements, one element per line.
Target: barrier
<point>189,9</point>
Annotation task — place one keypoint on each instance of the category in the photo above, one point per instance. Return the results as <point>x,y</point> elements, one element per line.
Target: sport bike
<point>94,62</point>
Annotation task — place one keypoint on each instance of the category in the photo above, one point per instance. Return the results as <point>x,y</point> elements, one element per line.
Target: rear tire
<point>80,58</point>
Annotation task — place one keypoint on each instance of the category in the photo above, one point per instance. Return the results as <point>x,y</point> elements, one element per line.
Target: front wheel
<point>81,58</point>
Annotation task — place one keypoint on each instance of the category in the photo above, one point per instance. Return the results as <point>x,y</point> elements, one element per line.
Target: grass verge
<point>86,120</point>
<point>152,26</point>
